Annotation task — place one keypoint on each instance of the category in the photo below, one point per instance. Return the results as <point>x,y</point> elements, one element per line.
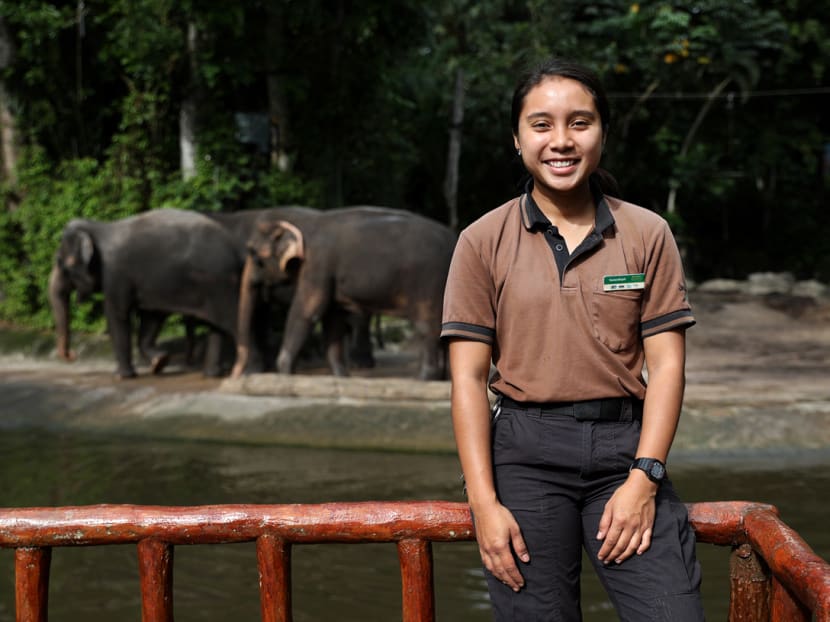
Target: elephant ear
<point>294,249</point>
<point>87,248</point>
<point>77,248</point>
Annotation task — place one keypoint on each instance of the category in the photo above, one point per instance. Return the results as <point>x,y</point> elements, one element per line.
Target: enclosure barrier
<point>774,574</point>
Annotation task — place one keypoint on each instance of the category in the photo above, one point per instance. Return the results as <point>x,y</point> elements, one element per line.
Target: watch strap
<point>654,469</point>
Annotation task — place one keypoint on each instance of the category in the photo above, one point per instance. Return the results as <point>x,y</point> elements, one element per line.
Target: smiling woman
<point>568,292</point>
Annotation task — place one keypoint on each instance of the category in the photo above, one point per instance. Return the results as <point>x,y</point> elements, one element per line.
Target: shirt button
<point>559,247</point>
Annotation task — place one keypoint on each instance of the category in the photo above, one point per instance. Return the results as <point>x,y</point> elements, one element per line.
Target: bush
<point>86,188</point>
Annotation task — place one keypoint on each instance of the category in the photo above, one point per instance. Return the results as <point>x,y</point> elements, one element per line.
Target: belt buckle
<point>587,411</point>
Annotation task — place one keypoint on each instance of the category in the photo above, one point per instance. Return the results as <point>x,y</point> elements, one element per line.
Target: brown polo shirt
<point>565,326</point>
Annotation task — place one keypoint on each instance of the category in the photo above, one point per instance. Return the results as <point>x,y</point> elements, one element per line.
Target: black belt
<point>608,409</point>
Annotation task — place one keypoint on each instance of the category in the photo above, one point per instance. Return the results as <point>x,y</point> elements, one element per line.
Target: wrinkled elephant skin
<point>361,260</point>
<point>160,262</point>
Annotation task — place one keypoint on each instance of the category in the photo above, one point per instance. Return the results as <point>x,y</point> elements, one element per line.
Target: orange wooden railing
<point>774,574</point>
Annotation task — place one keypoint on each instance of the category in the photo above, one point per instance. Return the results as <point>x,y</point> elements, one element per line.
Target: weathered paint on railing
<point>774,575</point>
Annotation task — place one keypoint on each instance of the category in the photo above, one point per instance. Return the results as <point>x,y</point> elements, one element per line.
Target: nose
<point>560,139</point>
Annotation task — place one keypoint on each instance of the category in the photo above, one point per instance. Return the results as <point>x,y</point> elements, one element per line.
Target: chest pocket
<point>616,318</point>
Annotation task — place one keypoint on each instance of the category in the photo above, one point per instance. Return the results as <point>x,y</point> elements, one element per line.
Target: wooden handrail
<point>775,575</point>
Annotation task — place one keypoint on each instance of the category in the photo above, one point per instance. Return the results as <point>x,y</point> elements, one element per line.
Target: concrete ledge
<point>331,387</point>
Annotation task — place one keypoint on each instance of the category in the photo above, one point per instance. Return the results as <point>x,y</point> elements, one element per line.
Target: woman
<point>568,293</point>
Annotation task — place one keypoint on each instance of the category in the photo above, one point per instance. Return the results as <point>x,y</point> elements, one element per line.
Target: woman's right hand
<point>499,536</point>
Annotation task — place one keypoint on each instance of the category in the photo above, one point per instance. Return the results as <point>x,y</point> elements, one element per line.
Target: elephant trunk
<point>59,289</point>
<point>247,301</point>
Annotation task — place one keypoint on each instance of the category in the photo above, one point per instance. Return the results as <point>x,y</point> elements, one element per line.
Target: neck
<point>572,208</point>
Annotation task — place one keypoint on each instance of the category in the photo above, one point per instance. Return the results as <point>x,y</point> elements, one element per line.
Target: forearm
<point>471,425</point>
<point>470,367</point>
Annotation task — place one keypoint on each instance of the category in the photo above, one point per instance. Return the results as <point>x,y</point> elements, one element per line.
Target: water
<point>331,582</point>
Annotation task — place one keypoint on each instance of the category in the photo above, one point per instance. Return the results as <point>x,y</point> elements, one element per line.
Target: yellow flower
<point>635,8</point>
<point>670,58</point>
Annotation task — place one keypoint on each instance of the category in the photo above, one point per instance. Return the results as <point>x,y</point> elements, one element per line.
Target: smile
<point>561,163</point>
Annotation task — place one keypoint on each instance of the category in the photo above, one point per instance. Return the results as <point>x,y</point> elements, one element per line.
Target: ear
<point>294,249</point>
<point>86,247</point>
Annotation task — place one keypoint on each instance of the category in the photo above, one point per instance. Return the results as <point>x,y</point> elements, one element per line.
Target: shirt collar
<point>533,218</point>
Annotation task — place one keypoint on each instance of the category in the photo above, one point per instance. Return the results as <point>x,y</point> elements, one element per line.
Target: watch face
<point>657,471</point>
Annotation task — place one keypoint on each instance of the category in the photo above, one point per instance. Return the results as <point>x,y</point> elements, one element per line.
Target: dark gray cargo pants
<point>556,474</point>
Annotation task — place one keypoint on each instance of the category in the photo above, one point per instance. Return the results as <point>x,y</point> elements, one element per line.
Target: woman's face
<point>560,136</point>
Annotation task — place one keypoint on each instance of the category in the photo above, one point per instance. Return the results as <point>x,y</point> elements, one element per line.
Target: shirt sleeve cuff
<point>670,321</point>
<point>462,330</point>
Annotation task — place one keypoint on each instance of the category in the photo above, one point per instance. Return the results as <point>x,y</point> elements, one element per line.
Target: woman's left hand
<point>626,523</point>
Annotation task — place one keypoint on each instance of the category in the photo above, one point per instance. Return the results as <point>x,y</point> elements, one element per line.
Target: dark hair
<point>560,67</point>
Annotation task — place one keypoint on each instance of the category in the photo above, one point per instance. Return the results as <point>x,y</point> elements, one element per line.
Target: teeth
<point>562,163</point>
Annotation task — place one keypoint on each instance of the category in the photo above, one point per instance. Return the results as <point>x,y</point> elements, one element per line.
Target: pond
<point>331,582</point>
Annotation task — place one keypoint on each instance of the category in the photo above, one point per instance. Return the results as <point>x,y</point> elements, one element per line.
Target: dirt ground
<point>758,375</point>
<point>764,349</point>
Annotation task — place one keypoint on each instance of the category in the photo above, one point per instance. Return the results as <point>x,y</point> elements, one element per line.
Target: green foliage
<point>85,188</point>
<point>368,94</point>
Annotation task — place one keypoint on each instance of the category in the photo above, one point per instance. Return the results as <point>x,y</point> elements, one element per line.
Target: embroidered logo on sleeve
<point>612,283</point>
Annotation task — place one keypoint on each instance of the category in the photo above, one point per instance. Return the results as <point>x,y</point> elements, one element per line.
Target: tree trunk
<point>277,108</point>
<point>454,150</point>
<point>674,186</point>
<point>9,141</point>
<point>187,114</point>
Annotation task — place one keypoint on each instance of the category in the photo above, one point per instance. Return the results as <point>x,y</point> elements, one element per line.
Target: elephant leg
<point>189,339</point>
<point>360,344</point>
<point>149,327</point>
<point>120,330</point>
<point>258,357</point>
<point>432,367</point>
<point>334,332</point>
<point>297,328</point>
<point>213,354</point>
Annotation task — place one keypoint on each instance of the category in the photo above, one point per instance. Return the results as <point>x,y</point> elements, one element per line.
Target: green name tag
<point>616,282</point>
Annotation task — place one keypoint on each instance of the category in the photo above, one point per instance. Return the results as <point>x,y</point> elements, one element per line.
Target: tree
<point>8,122</point>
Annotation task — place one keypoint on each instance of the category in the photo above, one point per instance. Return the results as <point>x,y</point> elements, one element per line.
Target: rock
<point>811,289</point>
<point>763,283</point>
<point>722,286</point>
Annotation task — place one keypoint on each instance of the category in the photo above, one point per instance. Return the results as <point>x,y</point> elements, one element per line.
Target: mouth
<point>561,164</point>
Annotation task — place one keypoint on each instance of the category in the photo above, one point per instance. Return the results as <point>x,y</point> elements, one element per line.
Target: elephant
<point>269,296</point>
<point>156,263</point>
<point>150,324</point>
<point>362,259</point>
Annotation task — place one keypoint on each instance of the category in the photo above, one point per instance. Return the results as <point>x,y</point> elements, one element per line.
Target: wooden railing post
<point>274,562</point>
<point>750,586</point>
<point>31,568</point>
<point>155,570</point>
<point>784,607</point>
<point>417,587</point>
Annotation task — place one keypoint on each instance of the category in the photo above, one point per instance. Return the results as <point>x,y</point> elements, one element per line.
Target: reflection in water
<point>331,582</point>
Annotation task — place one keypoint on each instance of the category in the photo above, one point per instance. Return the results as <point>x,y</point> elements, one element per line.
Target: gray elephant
<point>271,298</point>
<point>365,260</point>
<point>156,263</point>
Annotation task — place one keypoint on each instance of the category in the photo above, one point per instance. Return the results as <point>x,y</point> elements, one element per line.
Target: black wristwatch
<point>654,469</point>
